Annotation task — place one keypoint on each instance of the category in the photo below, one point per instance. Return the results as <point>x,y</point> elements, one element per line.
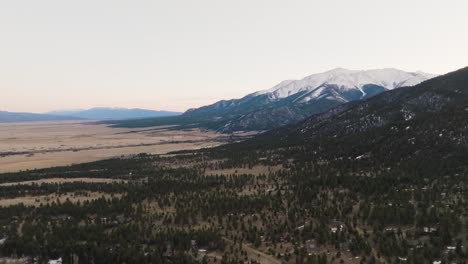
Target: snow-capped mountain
<point>294,100</point>
<point>345,80</point>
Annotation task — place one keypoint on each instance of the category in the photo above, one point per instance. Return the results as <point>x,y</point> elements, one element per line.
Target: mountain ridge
<point>97,113</point>
<point>108,113</point>
<point>389,78</point>
<point>12,117</point>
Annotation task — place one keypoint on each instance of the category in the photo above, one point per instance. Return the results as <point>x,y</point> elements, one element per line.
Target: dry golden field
<point>45,144</point>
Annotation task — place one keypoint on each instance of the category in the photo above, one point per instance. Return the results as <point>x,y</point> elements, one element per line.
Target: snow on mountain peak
<point>345,79</point>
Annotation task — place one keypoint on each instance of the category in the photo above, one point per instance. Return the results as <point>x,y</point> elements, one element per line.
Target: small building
<point>310,246</point>
<point>55,261</point>
<point>391,229</point>
<point>336,226</point>
<point>451,248</point>
<point>428,229</point>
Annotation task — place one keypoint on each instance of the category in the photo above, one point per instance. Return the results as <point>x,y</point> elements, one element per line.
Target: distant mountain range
<point>10,117</point>
<point>106,113</point>
<point>99,113</point>
<point>292,100</point>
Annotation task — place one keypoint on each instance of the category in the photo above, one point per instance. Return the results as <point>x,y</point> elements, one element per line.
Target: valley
<point>233,132</point>
<point>45,144</point>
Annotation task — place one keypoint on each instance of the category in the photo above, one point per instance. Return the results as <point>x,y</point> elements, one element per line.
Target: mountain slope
<point>101,113</point>
<point>425,122</point>
<point>10,117</point>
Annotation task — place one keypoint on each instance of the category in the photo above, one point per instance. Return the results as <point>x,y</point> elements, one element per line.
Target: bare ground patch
<point>13,260</point>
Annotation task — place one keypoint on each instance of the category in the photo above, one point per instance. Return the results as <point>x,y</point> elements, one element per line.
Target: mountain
<point>427,122</point>
<point>293,100</point>
<point>104,113</point>
<point>10,117</point>
<point>99,113</point>
<point>290,101</point>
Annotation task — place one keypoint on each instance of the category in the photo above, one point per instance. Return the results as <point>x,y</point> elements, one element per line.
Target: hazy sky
<point>177,54</point>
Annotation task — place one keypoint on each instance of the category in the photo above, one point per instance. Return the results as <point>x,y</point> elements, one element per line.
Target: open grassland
<point>45,144</point>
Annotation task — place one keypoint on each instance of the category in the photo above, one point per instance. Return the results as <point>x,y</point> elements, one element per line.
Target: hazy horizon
<point>178,55</point>
<point>149,108</point>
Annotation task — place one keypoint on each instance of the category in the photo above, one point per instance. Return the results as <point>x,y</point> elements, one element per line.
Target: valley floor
<point>45,144</point>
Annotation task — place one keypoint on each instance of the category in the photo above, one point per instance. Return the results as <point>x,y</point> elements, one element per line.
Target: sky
<point>179,54</point>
